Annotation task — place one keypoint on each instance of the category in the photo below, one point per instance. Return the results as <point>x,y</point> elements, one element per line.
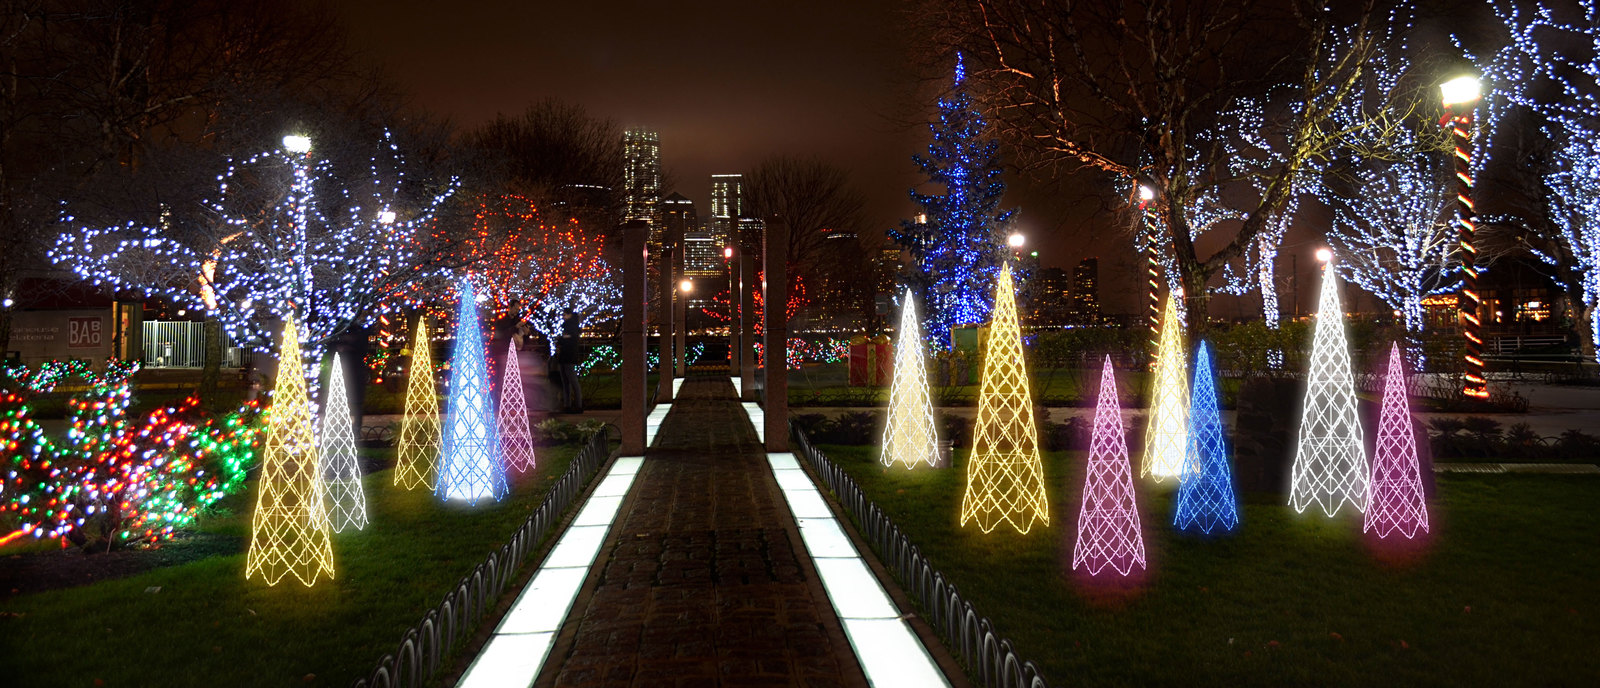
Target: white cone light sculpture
<point>909,437</point>
<point>1330,465</point>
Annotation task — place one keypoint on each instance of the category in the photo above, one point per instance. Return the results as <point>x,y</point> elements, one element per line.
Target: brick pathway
<point>703,583</point>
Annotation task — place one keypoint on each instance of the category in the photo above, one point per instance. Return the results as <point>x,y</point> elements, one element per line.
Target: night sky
<point>727,83</point>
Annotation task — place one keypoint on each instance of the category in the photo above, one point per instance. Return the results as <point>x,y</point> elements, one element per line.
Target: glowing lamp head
<point>1015,240</point>
<point>295,143</point>
<point>727,252</point>
<point>1462,89</point>
<point>1146,194</point>
<point>686,286</point>
<point>1324,254</point>
<point>386,217</point>
<point>7,303</point>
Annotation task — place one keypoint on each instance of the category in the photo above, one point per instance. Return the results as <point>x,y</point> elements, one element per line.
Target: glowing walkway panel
<point>676,383</point>
<point>652,422</point>
<point>885,645</point>
<point>521,643</point>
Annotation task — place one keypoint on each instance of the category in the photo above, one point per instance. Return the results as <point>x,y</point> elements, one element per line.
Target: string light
<point>1395,501</point>
<point>516,441</point>
<point>1108,521</point>
<point>1330,463</point>
<point>469,465</point>
<point>419,445</point>
<point>1167,434</point>
<point>909,437</point>
<point>289,531</point>
<point>341,472</point>
<point>1205,496</point>
<point>1005,479</point>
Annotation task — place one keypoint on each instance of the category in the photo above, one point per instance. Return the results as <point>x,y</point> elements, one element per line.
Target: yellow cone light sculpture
<point>289,533</point>
<point>909,437</point>
<point>1166,438</point>
<point>419,430</point>
<point>1005,481</point>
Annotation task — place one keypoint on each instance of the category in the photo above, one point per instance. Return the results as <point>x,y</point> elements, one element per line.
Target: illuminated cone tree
<point>1005,481</point>
<point>1330,465</point>
<point>1166,438</point>
<point>469,465</point>
<point>1205,495</point>
<point>289,531</point>
<point>516,442</point>
<point>1395,500</point>
<point>1108,524</point>
<point>341,473</point>
<point>909,436</point>
<point>419,429</point>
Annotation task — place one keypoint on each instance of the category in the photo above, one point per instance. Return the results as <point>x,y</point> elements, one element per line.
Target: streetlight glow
<point>386,217</point>
<point>1146,194</point>
<point>1015,240</point>
<point>295,143</point>
<point>1462,89</point>
<point>1324,254</point>
<point>727,252</point>
<point>686,286</point>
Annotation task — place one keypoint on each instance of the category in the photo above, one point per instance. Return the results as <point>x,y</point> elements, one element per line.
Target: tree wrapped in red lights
<point>116,480</point>
<point>720,307</point>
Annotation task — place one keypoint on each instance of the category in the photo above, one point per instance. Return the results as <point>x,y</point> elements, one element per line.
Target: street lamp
<point>1152,267</point>
<point>1016,240</point>
<point>386,217</point>
<point>1324,254</point>
<point>1460,96</point>
<point>295,143</point>
<point>686,286</point>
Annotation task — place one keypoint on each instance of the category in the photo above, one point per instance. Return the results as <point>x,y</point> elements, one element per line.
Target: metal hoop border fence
<point>968,634</point>
<point>423,646</point>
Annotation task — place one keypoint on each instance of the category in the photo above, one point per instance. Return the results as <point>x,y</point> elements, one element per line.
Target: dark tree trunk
<point>213,364</point>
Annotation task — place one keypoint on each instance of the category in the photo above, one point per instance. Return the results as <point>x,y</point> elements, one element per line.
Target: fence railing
<point>425,645</point>
<point>969,635</point>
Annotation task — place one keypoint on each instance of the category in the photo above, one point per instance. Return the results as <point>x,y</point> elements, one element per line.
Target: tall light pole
<point>1152,255</point>
<point>1460,103</point>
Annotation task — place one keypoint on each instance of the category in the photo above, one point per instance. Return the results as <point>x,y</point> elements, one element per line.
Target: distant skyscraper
<point>1086,292</point>
<point>727,195</point>
<point>1051,297</point>
<point>641,179</point>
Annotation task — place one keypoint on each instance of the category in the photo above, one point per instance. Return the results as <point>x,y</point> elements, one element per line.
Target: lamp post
<point>1152,257</point>
<point>1460,97</point>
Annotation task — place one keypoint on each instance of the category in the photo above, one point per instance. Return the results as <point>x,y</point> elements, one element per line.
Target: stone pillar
<point>735,329</point>
<point>680,308</point>
<point>775,293</point>
<point>747,319</point>
<point>666,313</point>
<point>634,282</point>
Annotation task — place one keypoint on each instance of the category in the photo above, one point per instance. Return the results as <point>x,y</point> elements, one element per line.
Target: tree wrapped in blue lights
<point>469,466</point>
<point>1205,497</point>
<point>958,241</point>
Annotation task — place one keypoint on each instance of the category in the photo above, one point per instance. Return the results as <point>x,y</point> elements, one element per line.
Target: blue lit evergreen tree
<point>959,242</point>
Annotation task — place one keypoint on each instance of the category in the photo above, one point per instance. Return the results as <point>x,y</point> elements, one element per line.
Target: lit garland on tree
<point>287,231</point>
<point>1108,521</point>
<point>289,532</point>
<point>1167,434</point>
<point>1005,479</point>
<point>1330,464</point>
<point>419,445</point>
<point>341,472</point>
<point>469,465</point>
<point>1395,500</point>
<point>720,308</point>
<point>1205,496</point>
<point>958,243</point>
<point>909,437</point>
<point>516,441</point>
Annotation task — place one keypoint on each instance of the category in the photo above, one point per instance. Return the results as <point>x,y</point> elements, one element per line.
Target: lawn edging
<point>970,636</point>
<point>424,646</point>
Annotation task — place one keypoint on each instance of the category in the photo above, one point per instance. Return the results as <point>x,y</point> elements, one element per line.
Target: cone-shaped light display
<point>1395,501</point>
<point>1005,481</point>
<point>1330,465</point>
<point>341,473</point>
<point>1166,438</point>
<point>289,531</point>
<point>469,465</point>
<point>516,442</point>
<point>419,430</point>
<point>1205,494</point>
<point>908,437</point>
<point>1108,524</point>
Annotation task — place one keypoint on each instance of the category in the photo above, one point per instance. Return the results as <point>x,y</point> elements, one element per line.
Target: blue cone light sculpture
<point>1205,497</point>
<point>469,465</point>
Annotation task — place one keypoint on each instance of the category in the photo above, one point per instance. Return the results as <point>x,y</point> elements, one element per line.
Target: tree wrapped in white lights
<point>1330,463</point>
<point>1166,438</point>
<point>909,437</point>
<point>341,472</point>
<point>285,230</point>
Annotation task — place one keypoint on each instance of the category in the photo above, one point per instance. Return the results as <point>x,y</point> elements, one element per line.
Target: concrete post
<point>634,283</point>
<point>747,319</point>
<point>775,254</point>
<point>680,307</point>
<point>735,329</point>
<point>666,313</point>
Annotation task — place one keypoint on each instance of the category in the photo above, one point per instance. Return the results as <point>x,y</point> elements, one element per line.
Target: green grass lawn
<point>1503,593</point>
<point>208,626</point>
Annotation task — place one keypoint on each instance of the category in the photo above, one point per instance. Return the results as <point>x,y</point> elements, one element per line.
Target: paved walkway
<point>703,580</point>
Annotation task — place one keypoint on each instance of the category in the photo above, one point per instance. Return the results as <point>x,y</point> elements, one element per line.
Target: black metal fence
<point>424,646</point>
<point>970,636</point>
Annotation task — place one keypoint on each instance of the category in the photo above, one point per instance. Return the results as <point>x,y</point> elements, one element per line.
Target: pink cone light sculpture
<point>1395,501</point>
<point>1108,524</point>
<point>516,441</point>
